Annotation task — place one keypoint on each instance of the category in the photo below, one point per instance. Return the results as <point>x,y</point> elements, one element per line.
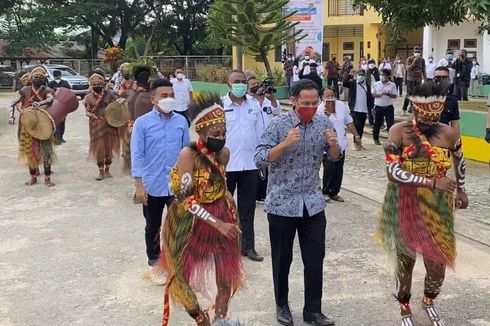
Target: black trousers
<point>185,114</point>
<point>359,119</point>
<point>460,91</point>
<point>153,213</point>
<point>60,130</point>
<point>370,116</point>
<point>262,185</point>
<point>333,172</point>
<point>411,84</point>
<point>399,85</point>
<point>246,184</point>
<point>311,233</point>
<point>335,82</point>
<point>380,114</point>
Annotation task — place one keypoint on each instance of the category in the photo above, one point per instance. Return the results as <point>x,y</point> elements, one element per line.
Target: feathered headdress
<point>428,101</point>
<point>38,72</point>
<point>96,80</point>
<point>206,110</point>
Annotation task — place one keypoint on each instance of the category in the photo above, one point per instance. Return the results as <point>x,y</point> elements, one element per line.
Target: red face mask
<point>306,113</point>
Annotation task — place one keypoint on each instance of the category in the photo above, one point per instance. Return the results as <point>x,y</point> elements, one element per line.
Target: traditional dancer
<point>201,230</point>
<point>139,103</point>
<point>127,83</point>
<point>25,81</point>
<point>33,151</point>
<point>418,210</point>
<point>104,139</point>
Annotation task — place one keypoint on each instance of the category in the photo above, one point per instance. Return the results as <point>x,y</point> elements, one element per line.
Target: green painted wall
<point>473,123</point>
<point>222,89</point>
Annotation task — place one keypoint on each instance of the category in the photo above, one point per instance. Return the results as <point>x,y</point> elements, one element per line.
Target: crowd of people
<point>245,143</point>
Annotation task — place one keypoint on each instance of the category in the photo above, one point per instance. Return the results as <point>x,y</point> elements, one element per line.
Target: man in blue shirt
<point>157,139</point>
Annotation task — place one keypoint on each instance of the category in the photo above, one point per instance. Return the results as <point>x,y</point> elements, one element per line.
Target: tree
<point>401,16</point>
<point>257,26</point>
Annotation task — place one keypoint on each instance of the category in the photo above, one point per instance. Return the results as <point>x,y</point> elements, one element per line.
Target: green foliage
<point>277,75</point>
<point>257,26</point>
<point>212,73</point>
<point>401,15</point>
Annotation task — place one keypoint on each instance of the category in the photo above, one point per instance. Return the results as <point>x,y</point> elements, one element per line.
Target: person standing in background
<point>156,142</point>
<point>363,64</point>
<point>183,94</point>
<point>313,75</point>
<point>242,127</point>
<point>385,64</point>
<point>399,74</point>
<point>475,78</point>
<point>430,68</point>
<point>58,82</point>
<point>415,74</point>
<point>360,99</point>
<point>319,69</point>
<point>296,71</point>
<point>372,76</point>
<point>346,69</point>
<point>462,80</point>
<point>288,67</point>
<point>384,92</point>
<point>333,70</point>
<point>448,62</point>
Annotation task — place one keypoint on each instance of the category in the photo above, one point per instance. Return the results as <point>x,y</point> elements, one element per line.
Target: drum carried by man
<point>40,110</point>
<point>105,115</point>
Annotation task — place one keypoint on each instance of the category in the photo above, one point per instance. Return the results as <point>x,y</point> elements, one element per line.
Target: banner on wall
<point>309,14</point>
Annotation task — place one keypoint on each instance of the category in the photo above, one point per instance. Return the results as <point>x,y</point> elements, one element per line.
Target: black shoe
<point>317,319</point>
<point>253,255</point>
<point>284,316</point>
<point>377,142</point>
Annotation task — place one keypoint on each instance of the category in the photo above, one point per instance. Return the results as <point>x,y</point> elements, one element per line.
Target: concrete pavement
<point>74,254</point>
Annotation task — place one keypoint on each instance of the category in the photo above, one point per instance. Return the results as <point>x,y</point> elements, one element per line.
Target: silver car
<point>78,83</point>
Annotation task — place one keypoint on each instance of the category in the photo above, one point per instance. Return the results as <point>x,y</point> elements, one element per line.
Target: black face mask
<point>126,77</point>
<point>38,82</point>
<point>215,144</point>
<point>97,89</point>
<point>254,89</point>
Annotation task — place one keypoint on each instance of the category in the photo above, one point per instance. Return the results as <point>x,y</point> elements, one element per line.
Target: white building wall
<point>438,42</point>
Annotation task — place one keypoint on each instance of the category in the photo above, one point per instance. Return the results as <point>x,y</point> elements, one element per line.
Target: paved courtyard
<point>74,254</point>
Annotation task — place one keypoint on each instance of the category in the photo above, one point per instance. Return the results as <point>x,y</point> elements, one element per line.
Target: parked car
<point>78,83</point>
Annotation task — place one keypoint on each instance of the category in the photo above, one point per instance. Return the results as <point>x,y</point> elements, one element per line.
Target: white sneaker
<point>157,276</point>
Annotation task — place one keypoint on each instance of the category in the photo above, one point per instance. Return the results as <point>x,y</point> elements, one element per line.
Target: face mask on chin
<point>306,113</point>
<point>214,145</point>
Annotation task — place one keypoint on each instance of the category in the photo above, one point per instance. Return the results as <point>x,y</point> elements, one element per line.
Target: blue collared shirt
<point>294,181</point>
<point>156,143</point>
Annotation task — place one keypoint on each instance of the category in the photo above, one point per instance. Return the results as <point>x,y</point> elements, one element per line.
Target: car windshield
<point>65,71</point>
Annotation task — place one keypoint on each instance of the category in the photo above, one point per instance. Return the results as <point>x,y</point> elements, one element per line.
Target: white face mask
<point>166,105</point>
<point>180,76</point>
<point>416,55</point>
<point>430,60</point>
<point>371,66</point>
<point>57,81</point>
<point>398,61</point>
<point>307,58</point>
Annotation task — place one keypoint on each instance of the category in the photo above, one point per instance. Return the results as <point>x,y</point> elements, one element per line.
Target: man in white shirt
<point>384,92</point>
<point>183,94</point>
<point>430,68</point>
<point>242,114</point>
<point>399,74</point>
<point>448,62</point>
<point>333,171</point>
<point>270,107</point>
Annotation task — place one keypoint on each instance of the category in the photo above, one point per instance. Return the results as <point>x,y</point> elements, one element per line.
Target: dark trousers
<point>370,116</point>
<point>153,213</point>
<point>60,130</point>
<point>411,84</point>
<point>434,278</point>
<point>461,91</point>
<point>311,233</point>
<point>380,114</point>
<point>359,119</point>
<point>246,184</point>
<point>262,185</point>
<point>335,82</point>
<point>399,85</point>
<point>185,114</point>
<point>333,173</point>
<point>289,84</point>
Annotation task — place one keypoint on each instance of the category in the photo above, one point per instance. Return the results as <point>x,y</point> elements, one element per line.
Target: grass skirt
<point>192,248</point>
<point>417,220</point>
<point>104,141</point>
<point>33,152</point>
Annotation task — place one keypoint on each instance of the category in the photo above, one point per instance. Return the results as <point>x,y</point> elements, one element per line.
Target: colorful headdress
<point>207,110</point>
<point>125,67</point>
<point>25,79</point>
<point>96,80</point>
<point>38,72</point>
<point>428,101</point>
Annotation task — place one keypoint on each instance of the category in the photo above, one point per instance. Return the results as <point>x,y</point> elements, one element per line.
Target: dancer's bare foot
<point>48,182</point>
<point>31,182</point>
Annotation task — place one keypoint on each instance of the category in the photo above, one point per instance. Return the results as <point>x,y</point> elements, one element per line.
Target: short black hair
<point>387,72</point>
<point>371,61</point>
<point>442,68</point>
<point>56,73</point>
<point>162,82</point>
<point>177,68</point>
<point>303,84</point>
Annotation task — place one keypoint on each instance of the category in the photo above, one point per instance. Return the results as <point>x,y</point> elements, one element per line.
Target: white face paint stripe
<point>395,170</point>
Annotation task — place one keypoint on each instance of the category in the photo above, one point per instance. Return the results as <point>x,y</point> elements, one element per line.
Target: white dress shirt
<point>361,98</point>
<point>295,73</point>
<point>430,69</point>
<point>267,112</point>
<point>340,119</point>
<point>242,132</point>
<point>181,90</point>
<point>380,88</point>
